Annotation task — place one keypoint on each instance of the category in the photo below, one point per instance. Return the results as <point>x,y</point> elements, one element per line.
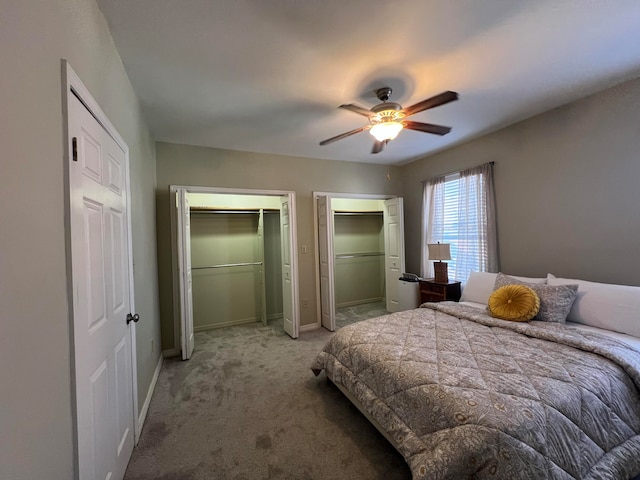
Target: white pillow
<point>604,305</point>
<point>479,286</point>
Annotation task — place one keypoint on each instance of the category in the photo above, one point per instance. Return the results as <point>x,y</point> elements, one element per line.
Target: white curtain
<point>432,219</point>
<point>459,209</point>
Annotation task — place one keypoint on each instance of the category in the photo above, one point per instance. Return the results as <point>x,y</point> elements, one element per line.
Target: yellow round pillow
<point>517,303</point>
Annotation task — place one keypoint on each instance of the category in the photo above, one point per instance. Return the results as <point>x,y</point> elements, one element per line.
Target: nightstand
<point>432,291</point>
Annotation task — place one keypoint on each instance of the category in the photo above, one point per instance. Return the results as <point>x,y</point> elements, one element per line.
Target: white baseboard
<point>171,352</point>
<point>147,400</point>
<point>230,323</point>
<point>309,328</point>
<point>359,302</point>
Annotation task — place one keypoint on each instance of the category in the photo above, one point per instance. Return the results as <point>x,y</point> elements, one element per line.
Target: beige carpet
<point>247,406</point>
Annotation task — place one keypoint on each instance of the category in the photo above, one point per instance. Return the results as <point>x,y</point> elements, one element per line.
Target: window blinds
<point>459,211</point>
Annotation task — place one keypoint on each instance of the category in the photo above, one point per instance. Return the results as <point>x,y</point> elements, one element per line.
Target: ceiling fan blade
<point>441,99</point>
<point>356,109</point>
<point>344,135</point>
<point>426,127</point>
<point>378,146</point>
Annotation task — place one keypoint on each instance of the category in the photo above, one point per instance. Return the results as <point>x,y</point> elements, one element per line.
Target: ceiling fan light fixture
<point>386,130</point>
<point>387,119</point>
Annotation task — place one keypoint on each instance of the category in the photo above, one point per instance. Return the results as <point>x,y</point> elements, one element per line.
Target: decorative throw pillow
<point>555,300</point>
<point>517,303</point>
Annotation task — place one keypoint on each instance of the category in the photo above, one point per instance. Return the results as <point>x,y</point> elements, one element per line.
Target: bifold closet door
<point>226,265</point>
<point>394,250</point>
<point>325,251</point>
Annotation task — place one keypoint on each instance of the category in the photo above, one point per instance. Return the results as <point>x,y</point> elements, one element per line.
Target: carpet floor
<point>247,406</point>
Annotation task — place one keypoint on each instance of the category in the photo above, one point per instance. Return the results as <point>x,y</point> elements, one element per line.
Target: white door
<point>327,279</point>
<point>187,341</point>
<point>394,250</point>
<point>101,267</point>
<point>289,267</point>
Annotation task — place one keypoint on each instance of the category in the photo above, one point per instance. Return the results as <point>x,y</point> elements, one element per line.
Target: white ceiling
<point>268,75</point>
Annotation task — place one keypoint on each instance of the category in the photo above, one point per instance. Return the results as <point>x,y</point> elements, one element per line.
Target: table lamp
<point>440,251</point>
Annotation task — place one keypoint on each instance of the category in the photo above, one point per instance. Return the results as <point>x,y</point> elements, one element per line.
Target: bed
<point>462,394</point>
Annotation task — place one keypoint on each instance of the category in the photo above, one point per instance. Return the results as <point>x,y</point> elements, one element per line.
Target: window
<point>459,209</point>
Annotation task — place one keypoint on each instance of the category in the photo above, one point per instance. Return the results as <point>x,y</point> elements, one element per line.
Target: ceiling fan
<point>386,119</point>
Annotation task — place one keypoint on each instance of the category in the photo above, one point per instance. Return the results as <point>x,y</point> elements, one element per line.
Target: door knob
<point>132,318</point>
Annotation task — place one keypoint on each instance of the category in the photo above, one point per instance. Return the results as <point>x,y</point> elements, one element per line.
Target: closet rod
<point>355,255</point>
<point>203,210</point>
<point>337,212</point>
<point>227,265</point>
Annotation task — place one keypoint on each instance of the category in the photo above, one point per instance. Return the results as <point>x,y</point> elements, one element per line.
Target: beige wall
<point>566,189</point>
<point>199,166</point>
<point>36,414</point>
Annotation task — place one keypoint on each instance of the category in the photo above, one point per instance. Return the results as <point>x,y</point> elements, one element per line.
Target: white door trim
<point>175,248</point>
<point>185,283</point>
<point>316,245</point>
<point>73,86</point>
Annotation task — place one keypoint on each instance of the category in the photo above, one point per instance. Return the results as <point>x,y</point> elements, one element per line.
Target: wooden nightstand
<point>432,291</point>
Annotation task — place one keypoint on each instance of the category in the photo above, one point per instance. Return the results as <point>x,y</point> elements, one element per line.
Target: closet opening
<point>358,240</point>
<point>360,256</point>
<point>235,262</point>
<point>236,271</point>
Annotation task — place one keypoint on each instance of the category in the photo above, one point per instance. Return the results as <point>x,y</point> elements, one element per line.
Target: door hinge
<point>74,148</point>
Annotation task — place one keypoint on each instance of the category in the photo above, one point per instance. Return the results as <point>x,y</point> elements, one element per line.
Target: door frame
<point>316,246</point>
<point>175,251</point>
<point>71,83</point>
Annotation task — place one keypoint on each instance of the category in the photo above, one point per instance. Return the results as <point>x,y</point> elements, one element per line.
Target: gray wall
<point>566,189</point>
<point>200,166</point>
<point>35,416</point>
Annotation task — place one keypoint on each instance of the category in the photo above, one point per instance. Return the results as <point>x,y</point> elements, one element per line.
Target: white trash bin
<point>408,294</point>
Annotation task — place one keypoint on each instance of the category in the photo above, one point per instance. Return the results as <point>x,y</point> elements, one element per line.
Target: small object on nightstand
<point>434,291</point>
<point>440,251</point>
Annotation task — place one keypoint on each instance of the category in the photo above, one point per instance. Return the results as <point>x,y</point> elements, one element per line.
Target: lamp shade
<point>439,251</point>
<point>386,130</point>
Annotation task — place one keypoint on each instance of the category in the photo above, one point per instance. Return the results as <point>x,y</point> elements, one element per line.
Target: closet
<point>358,242</point>
<point>235,263</point>
<point>360,252</point>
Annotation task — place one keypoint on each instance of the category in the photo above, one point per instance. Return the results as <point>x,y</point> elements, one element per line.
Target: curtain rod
<point>457,171</point>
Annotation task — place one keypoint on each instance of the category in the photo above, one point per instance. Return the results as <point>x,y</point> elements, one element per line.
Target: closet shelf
<point>356,255</point>
<point>224,265</point>
<point>211,210</point>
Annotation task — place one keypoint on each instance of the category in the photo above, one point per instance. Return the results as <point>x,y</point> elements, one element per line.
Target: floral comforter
<point>466,395</point>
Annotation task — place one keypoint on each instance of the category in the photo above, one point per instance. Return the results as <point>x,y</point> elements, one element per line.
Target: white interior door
<point>101,267</point>
<point>289,267</point>
<point>327,279</point>
<point>184,273</point>
<point>394,250</point>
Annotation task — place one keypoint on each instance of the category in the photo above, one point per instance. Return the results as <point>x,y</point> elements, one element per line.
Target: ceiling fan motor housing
<point>383,93</point>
